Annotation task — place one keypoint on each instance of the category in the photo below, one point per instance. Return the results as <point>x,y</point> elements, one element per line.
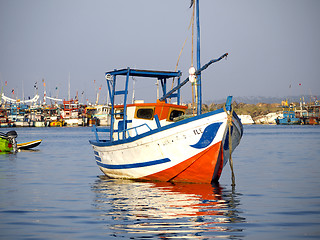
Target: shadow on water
<point>140,210</point>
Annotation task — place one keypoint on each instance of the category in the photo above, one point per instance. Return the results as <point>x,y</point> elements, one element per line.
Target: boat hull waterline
<point>191,150</point>
<point>28,145</point>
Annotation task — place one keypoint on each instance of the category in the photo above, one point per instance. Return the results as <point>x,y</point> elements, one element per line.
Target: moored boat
<point>57,123</point>
<point>309,113</point>
<point>102,114</point>
<point>90,119</point>
<point>147,143</point>
<point>70,113</point>
<point>28,145</point>
<point>289,116</point>
<point>39,124</point>
<point>4,121</point>
<point>8,141</point>
<point>158,141</point>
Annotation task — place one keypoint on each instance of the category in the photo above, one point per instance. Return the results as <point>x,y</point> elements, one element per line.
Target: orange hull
<point>204,167</point>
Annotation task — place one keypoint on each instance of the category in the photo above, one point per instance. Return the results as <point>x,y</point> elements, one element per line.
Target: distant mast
<point>22,91</point>
<point>69,89</point>
<point>44,93</point>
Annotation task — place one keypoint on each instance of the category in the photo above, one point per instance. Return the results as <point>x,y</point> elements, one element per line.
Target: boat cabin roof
<point>157,104</point>
<point>144,73</point>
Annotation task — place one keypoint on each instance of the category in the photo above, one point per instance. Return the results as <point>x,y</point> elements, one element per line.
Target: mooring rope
<point>230,124</point>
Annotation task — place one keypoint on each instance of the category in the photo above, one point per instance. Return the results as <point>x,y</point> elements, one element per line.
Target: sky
<point>273,46</point>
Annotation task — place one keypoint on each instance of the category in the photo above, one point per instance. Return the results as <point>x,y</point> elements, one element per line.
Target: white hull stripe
<point>133,165</point>
<point>97,158</point>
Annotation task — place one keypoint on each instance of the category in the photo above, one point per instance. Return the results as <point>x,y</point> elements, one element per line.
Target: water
<point>58,192</point>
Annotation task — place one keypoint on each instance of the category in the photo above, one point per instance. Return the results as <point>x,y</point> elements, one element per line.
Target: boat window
<point>119,113</point>
<point>145,113</point>
<point>175,113</point>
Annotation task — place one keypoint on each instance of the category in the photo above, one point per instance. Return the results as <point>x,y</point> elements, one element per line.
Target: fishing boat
<point>4,121</point>
<point>289,116</point>
<point>90,119</point>
<point>8,142</point>
<point>18,115</point>
<point>70,113</point>
<point>309,114</point>
<point>28,145</point>
<point>57,123</point>
<point>158,141</point>
<point>102,114</point>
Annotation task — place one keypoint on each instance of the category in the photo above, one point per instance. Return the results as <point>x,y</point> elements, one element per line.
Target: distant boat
<point>158,141</point>
<point>57,123</point>
<point>17,115</point>
<point>70,113</point>
<point>289,117</point>
<point>309,113</point>
<point>90,120</point>
<point>8,141</point>
<point>28,145</point>
<point>102,113</point>
<point>39,124</point>
<point>4,121</point>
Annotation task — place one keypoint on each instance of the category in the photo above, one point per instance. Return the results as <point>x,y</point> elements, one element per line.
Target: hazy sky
<point>272,45</point>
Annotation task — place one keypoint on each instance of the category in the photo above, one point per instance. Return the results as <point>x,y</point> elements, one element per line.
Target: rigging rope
<point>175,69</point>
<point>230,124</point>
<point>191,23</point>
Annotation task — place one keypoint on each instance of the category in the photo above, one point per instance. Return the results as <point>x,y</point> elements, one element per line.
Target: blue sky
<point>272,45</point>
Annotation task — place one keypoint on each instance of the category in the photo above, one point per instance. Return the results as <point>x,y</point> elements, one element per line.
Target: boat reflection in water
<point>166,210</point>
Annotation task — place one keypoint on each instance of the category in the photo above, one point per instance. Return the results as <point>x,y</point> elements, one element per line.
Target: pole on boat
<point>198,72</point>
<point>199,100</point>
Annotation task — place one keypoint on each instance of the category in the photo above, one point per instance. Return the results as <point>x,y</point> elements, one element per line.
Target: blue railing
<point>127,131</point>
<point>96,130</point>
<point>124,132</point>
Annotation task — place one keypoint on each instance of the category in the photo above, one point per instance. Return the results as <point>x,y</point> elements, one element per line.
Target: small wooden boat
<point>28,145</point>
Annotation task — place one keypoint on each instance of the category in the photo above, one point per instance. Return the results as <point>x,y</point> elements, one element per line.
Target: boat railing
<point>96,130</point>
<point>126,132</point>
<point>121,134</point>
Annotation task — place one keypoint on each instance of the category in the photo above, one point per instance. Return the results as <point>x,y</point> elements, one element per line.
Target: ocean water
<point>58,192</point>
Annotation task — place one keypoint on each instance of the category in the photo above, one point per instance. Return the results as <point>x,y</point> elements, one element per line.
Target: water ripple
<point>145,210</point>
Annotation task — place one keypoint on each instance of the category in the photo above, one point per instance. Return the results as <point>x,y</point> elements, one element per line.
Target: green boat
<point>8,142</point>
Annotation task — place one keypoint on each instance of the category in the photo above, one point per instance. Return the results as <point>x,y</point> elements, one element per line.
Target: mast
<point>22,90</point>
<point>69,88</point>
<point>133,89</point>
<point>199,91</point>
<point>44,93</point>
<point>98,95</point>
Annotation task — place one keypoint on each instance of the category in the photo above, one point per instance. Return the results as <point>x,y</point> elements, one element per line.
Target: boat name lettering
<point>197,131</point>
